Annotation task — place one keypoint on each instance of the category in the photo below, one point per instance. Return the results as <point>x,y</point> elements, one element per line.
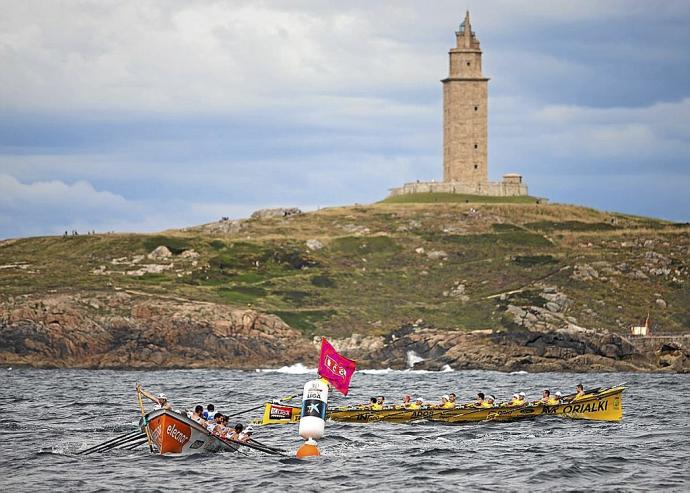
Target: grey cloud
<point>309,102</point>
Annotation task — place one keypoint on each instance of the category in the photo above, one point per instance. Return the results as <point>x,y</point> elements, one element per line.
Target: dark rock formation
<point>553,350</point>
<point>122,332</point>
<point>126,331</point>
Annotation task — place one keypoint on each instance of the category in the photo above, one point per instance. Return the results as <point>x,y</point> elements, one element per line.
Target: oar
<point>473,411</point>
<point>249,445</point>
<point>110,441</point>
<point>112,445</point>
<point>132,446</point>
<point>287,398</point>
<point>268,446</point>
<point>143,416</point>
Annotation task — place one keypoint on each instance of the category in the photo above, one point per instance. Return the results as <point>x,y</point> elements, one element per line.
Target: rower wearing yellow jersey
<point>517,400</point>
<point>579,392</point>
<point>452,398</point>
<point>374,405</point>
<point>548,399</point>
<point>480,402</point>
<point>416,404</point>
<point>445,402</point>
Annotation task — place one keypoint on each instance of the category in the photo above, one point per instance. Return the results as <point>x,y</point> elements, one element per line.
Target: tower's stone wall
<point>465,131</point>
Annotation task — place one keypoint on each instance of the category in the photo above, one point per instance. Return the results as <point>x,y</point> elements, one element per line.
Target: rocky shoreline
<point>126,330</point>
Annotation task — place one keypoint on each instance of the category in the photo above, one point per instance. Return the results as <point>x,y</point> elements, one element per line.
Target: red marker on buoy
<point>308,449</point>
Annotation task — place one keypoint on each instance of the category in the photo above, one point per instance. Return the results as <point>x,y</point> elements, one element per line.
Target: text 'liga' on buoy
<point>308,449</point>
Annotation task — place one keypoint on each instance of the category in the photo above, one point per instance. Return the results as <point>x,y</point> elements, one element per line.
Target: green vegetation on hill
<point>372,268</point>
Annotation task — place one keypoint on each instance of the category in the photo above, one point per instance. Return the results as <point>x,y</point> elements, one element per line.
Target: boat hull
<point>603,406</point>
<point>174,434</point>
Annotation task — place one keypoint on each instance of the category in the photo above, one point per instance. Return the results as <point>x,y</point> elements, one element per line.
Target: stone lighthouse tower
<point>465,113</point>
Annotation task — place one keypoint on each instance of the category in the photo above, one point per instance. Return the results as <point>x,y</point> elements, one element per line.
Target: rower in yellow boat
<point>374,404</point>
<point>548,399</point>
<point>407,401</point>
<point>452,398</point>
<point>480,401</point>
<point>417,404</point>
<point>445,402</point>
<point>517,400</point>
<point>490,400</point>
<point>579,392</point>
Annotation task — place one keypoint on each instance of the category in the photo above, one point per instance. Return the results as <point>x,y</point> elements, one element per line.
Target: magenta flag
<point>335,368</point>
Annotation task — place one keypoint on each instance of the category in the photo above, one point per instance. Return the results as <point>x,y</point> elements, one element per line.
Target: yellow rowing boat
<point>600,405</point>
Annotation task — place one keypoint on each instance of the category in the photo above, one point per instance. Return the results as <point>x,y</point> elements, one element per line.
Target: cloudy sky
<point>149,114</point>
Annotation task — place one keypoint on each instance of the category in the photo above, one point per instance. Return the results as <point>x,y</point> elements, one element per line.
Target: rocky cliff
<point>575,350</point>
<point>124,331</point>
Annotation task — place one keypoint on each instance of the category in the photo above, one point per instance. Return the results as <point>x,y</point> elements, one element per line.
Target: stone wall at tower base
<point>504,188</point>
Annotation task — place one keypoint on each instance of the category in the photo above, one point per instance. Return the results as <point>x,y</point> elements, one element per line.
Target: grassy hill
<point>377,266</point>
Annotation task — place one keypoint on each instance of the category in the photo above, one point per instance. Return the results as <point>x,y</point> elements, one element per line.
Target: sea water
<point>46,416</point>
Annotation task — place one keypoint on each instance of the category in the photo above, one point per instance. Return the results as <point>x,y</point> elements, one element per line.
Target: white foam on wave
<point>380,371</point>
<point>521,372</point>
<point>300,369</point>
<point>296,369</point>
<point>413,358</point>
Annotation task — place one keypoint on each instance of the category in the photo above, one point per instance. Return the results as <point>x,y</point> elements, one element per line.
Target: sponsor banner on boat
<point>279,412</point>
<point>169,434</point>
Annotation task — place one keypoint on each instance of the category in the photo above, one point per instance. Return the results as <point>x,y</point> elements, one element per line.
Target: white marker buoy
<point>313,416</point>
<point>314,403</point>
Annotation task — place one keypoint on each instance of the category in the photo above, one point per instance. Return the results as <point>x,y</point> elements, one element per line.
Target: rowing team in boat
<point>215,423</point>
<point>482,401</point>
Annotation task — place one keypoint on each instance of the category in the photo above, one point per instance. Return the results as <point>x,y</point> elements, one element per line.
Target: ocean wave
<point>386,371</point>
<point>381,371</point>
<point>296,369</point>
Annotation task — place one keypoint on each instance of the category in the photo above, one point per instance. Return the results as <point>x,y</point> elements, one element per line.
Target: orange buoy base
<point>308,449</point>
